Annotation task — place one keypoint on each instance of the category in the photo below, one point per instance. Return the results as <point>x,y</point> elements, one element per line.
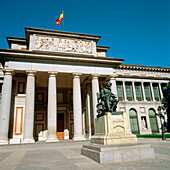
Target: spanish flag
<point>59,19</point>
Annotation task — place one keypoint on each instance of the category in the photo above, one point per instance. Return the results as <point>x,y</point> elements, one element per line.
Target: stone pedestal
<point>118,153</point>
<point>113,129</point>
<point>113,141</point>
<point>15,141</point>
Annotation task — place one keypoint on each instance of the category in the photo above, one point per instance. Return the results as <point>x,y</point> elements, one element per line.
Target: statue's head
<point>107,84</point>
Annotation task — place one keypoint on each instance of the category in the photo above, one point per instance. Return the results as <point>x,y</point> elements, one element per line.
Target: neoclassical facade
<point>49,83</point>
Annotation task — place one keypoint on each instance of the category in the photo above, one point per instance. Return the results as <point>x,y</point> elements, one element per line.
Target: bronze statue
<point>107,101</point>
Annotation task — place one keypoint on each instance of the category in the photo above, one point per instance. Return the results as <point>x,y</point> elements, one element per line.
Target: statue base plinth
<point>113,141</point>
<point>118,153</point>
<point>113,128</point>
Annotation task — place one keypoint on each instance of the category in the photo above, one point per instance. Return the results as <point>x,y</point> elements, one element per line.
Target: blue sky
<point>136,30</point>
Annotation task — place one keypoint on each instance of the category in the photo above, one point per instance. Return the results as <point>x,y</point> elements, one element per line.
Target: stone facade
<point>49,83</point>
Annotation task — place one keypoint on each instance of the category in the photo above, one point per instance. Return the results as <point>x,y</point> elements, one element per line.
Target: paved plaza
<point>66,155</point>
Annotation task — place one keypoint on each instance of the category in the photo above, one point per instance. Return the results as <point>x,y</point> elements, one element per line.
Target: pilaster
<point>5,106</point>
<point>143,91</point>
<point>124,91</point>
<point>160,90</point>
<point>113,81</point>
<point>153,97</point>
<point>88,110</point>
<point>134,92</point>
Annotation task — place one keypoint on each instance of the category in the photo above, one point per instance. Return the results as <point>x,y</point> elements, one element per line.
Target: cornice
<point>143,68</point>
<point>29,31</point>
<point>10,54</point>
<point>141,77</point>
<point>11,40</point>
<point>102,48</point>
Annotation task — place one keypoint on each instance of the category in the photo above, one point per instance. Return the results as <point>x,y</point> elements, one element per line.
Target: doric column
<point>88,110</point>
<point>143,91</point>
<point>113,87</point>
<point>77,108</point>
<point>124,91</point>
<point>95,90</point>
<point>153,97</point>
<point>160,89</point>
<point>134,92</point>
<point>29,108</point>
<point>52,108</point>
<point>5,106</point>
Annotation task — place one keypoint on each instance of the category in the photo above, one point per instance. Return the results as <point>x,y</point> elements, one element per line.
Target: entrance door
<point>39,123</point>
<point>60,126</point>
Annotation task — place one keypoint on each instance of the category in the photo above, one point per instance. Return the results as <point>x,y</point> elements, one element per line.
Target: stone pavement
<point>66,155</point>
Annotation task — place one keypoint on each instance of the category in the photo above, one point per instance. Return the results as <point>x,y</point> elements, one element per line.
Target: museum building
<point>49,83</point>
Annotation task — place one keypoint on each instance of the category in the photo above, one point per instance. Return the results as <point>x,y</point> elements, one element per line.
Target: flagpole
<point>63,20</point>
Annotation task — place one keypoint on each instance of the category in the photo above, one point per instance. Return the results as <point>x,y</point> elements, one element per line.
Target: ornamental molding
<point>143,68</point>
<point>63,45</point>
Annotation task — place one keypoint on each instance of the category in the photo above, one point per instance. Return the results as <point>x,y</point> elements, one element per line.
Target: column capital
<point>76,74</point>
<point>8,71</point>
<point>52,73</point>
<point>31,72</point>
<point>92,76</point>
<point>112,76</point>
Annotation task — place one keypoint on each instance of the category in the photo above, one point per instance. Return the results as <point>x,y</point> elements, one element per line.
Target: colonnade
<point>142,89</point>
<point>52,105</point>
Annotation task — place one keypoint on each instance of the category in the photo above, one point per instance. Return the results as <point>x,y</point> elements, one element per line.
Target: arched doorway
<point>133,121</point>
<point>153,121</point>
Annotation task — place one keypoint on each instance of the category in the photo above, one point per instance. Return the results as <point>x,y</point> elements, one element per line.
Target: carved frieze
<point>63,45</point>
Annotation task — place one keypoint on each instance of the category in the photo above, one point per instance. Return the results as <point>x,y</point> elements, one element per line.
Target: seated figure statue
<point>107,101</point>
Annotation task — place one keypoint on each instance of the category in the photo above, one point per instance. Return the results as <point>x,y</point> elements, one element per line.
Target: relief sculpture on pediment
<point>63,45</point>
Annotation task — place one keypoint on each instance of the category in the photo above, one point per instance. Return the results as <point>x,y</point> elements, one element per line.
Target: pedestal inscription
<point>113,128</point>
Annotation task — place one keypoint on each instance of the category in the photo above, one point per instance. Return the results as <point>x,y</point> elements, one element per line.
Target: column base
<point>15,141</point>
<point>78,138</point>
<point>3,141</point>
<point>27,141</point>
<point>52,140</point>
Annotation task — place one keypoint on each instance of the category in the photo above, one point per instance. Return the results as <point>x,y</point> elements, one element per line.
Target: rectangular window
<point>21,87</point>
<point>128,87</point>
<point>0,87</point>
<point>119,91</point>
<point>156,92</point>
<point>147,91</point>
<point>138,91</point>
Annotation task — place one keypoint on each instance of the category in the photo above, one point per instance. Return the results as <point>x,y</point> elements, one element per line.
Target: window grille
<point>153,121</point>
<point>119,90</point>
<point>128,87</point>
<point>156,92</point>
<point>133,121</point>
<point>138,91</point>
<point>147,92</point>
